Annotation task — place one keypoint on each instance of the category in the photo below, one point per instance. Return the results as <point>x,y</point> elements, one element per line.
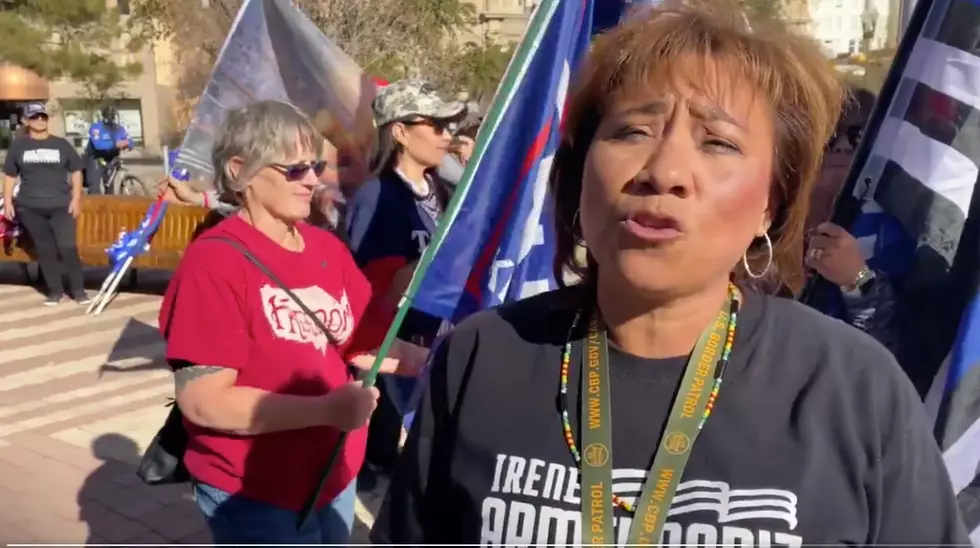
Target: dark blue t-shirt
<point>389,225</point>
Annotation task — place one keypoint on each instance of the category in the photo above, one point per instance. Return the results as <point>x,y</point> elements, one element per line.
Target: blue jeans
<point>234,519</point>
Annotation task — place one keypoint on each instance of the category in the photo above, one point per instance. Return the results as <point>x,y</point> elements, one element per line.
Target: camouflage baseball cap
<point>410,97</point>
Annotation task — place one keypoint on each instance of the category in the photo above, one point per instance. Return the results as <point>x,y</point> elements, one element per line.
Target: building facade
<point>144,102</point>
<point>839,25</point>
<point>148,108</point>
<point>504,19</point>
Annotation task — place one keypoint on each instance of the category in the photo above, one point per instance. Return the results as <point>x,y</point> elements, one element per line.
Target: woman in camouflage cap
<point>392,217</point>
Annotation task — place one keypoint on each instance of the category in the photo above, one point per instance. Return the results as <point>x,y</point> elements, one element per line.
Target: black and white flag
<point>909,200</point>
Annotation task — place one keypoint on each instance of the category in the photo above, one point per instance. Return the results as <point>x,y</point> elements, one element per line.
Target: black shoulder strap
<point>275,279</point>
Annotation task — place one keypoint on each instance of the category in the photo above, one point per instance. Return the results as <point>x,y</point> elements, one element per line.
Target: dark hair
<point>788,70</point>
<point>385,160</point>
<point>469,130</point>
<point>855,114</point>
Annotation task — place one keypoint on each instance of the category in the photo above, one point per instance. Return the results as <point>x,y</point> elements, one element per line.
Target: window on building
<point>852,46</point>
<point>123,6</point>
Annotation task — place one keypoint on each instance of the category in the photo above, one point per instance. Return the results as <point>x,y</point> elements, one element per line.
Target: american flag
<point>909,201</point>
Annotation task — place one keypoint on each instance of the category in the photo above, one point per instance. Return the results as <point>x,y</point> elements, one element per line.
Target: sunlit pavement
<point>80,398</point>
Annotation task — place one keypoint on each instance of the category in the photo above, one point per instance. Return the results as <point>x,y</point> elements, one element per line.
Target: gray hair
<point>260,133</point>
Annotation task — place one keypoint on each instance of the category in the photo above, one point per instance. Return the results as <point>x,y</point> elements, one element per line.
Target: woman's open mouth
<point>653,228</point>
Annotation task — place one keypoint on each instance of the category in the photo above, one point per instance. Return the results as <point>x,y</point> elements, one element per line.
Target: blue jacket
<point>102,139</point>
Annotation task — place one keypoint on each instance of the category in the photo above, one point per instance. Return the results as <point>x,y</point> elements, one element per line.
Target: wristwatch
<point>862,282</point>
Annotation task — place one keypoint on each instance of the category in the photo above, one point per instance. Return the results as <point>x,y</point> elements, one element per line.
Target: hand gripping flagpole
<point>502,99</point>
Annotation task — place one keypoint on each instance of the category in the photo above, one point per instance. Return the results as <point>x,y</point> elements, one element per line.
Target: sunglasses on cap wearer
<point>439,126</point>
<point>38,117</point>
<point>296,172</point>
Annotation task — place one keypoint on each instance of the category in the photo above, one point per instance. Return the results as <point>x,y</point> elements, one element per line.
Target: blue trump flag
<point>499,245</point>
<point>494,244</point>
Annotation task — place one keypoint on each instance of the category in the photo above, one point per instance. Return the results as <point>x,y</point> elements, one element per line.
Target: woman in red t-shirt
<point>264,392</point>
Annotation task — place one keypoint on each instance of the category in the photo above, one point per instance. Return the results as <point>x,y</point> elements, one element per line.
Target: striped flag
<point>958,415</point>
<point>496,244</point>
<point>909,201</point>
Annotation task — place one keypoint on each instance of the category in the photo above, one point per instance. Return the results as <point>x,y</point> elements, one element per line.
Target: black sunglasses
<point>38,117</point>
<point>296,172</point>
<point>439,126</point>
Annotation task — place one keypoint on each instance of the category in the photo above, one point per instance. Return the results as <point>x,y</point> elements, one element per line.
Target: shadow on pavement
<point>133,341</point>
<point>148,281</point>
<point>134,513</point>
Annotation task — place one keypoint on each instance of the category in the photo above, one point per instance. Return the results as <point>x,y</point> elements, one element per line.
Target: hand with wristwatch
<point>834,253</point>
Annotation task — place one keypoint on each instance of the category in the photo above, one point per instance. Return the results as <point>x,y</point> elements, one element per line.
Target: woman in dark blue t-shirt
<point>390,220</point>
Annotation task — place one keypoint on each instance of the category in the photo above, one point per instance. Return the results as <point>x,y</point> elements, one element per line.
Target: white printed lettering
<point>736,536</point>
<point>494,512</point>
<point>498,469</point>
<point>557,524</point>
<point>524,513</point>
<point>289,322</point>
<point>533,476</point>
<point>571,490</point>
<point>515,469</point>
<point>786,539</point>
<point>553,480</point>
<point>701,534</point>
<point>421,238</point>
<point>520,524</point>
<point>41,156</point>
<point>499,277</point>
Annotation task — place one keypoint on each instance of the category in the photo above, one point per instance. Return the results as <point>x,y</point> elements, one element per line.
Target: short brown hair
<point>804,93</point>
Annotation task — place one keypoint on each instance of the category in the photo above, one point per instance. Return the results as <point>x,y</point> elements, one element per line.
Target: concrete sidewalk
<point>80,398</point>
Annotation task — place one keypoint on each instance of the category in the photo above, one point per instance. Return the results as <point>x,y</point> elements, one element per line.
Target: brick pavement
<point>80,398</point>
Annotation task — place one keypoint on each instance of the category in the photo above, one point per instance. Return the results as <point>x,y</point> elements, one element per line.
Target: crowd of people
<point>692,147</point>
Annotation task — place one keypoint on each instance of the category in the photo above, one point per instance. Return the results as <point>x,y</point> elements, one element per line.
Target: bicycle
<point>118,181</point>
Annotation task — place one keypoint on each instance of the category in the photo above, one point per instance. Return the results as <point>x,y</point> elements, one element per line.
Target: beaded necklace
<point>566,360</point>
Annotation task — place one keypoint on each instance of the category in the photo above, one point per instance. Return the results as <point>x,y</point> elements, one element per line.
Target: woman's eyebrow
<point>714,114</point>
<point>703,112</point>
<point>655,107</point>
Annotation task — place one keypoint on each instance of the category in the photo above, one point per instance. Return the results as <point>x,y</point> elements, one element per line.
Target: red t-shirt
<point>220,309</point>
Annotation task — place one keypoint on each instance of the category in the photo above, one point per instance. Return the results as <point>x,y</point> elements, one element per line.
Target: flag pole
<point>502,98</point>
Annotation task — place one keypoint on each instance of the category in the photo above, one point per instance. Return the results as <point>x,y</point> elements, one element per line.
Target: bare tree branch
<point>390,39</point>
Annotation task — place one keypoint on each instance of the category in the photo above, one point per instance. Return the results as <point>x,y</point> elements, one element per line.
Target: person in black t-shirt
<point>48,201</point>
<point>596,414</point>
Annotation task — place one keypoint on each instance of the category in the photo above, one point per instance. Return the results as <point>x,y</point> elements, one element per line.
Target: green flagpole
<point>501,100</point>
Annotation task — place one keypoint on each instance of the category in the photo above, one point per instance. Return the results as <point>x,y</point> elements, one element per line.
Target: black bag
<point>163,461</point>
